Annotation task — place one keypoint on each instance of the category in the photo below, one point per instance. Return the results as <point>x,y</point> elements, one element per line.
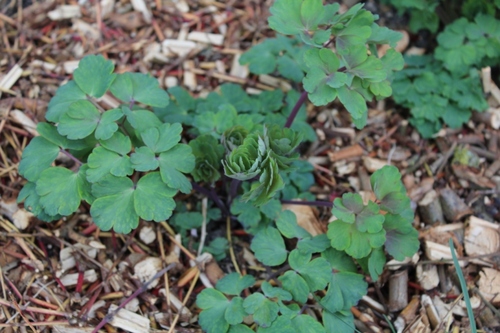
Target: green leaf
<point>401,238</point>
<point>272,209</point>
<point>342,321</point>
<point>247,213</point>
<point>79,121</point>
<point>103,162</point>
<point>386,180</point>
<point>32,203</point>
<point>59,191</point>
<point>141,120</point>
<point>214,305</point>
<point>208,153</point>
<point>376,263</point>
<point>339,260</point>
<point>144,159</point>
<point>275,292</point>
<point>286,17</point>
<point>345,209</point>
<point>107,125</point>
<point>234,283</point>
<point>64,97</point>
<point>118,143</point>
<point>384,35</point>
<point>264,311</point>
<point>307,324</point>
<point>33,161</point>
<point>353,102</point>
<point>369,219</point>
<point>269,247</point>
<point>218,248</point>
<point>173,163</point>
<point>153,200</point>
<point>138,87</point>
<point>187,220</point>
<point>83,185</point>
<point>94,75</point>
<point>287,225</point>
<point>346,237</point>
<point>162,138</point>
<point>114,206</point>
<point>296,285</point>
<point>315,272</point>
<point>316,244</point>
<point>49,132</point>
<point>235,312</point>
<point>344,291</point>
<point>240,328</point>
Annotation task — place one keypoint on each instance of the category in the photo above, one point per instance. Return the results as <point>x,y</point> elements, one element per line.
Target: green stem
<point>73,158</point>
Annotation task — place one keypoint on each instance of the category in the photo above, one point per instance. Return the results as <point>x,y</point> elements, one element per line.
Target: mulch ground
<point>67,276</point>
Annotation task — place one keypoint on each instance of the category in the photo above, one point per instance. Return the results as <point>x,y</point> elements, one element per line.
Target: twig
<point>136,293</point>
<point>308,203</point>
<point>203,225</point>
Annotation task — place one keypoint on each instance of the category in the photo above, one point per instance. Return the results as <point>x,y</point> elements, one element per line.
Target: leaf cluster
<point>112,146</point>
<point>353,73</point>
<point>363,230</point>
<point>434,95</point>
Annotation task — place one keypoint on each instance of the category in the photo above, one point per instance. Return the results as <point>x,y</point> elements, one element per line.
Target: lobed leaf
<point>138,87</point>
<point>94,75</point>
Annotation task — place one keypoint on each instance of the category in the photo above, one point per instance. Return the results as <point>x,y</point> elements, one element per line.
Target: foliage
<point>445,87</point>
<point>242,151</point>
<point>351,73</point>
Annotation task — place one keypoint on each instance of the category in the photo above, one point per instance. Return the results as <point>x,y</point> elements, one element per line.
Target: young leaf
<point>162,138</point>
<point>144,159</point>
<point>386,180</point>
<point>315,272</point>
<point>345,290</point>
<point>59,191</point>
<point>138,87</point>
<point>346,237</point>
<point>345,209</point>
<point>79,121</point>
<point>353,101</point>
<point>269,247</point>
<point>107,125</point>
<point>208,153</point>
<point>234,283</point>
<point>103,162</point>
<point>33,163</point>
<point>214,305</point>
<point>235,312</point>
<point>94,75</point>
<point>64,97</point>
<point>264,311</point>
<point>173,163</point>
<point>269,183</point>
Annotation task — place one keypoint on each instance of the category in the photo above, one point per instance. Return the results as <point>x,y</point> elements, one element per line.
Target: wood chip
<point>10,79</point>
<point>22,218</point>
<point>427,276</point>
<point>430,208</point>
<point>208,38</point>
<point>140,6</point>
<point>22,119</point>
<point>373,164</point>
<point>398,291</point>
<point>481,238</point>
<point>129,321</point>
<point>489,285</point>
<point>175,47</point>
<point>89,276</point>
<point>238,70</point>
<point>145,269</point>
<point>64,12</point>
<point>454,208</point>
<point>344,153</point>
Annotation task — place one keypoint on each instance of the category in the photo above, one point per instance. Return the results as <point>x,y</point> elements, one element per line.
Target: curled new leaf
<point>208,154</point>
<point>243,163</point>
<point>234,137</point>
<point>283,142</point>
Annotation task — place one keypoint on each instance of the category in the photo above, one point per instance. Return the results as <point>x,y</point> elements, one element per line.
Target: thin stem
<point>296,109</point>
<point>136,293</point>
<point>233,190</point>
<point>71,157</point>
<point>308,203</point>
<point>212,195</point>
<point>93,101</point>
